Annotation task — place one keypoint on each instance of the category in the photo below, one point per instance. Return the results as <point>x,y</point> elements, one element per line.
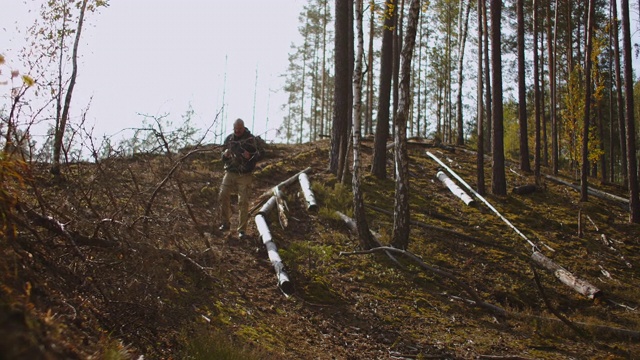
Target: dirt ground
<point>123,260</point>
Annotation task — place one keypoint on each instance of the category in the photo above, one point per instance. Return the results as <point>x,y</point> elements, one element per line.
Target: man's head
<point>238,127</point>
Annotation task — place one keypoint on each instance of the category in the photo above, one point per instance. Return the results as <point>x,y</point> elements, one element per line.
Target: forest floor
<point>123,260</point>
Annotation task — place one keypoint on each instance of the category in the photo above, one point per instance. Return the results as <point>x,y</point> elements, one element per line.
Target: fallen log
<point>525,189</point>
<point>272,251</point>
<point>454,188</point>
<point>267,194</point>
<point>453,173</point>
<point>581,286</point>
<point>282,208</point>
<point>305,184</point>
<point>591,191</point>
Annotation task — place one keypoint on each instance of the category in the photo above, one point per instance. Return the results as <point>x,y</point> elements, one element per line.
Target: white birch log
<point>455,189</point>
<point>309,197</point>
<point>272,251</point>
<point>270,204</point>
<point>567,278</point>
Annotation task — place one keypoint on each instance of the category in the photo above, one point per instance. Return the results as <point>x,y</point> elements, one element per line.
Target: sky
<point>159,57</point>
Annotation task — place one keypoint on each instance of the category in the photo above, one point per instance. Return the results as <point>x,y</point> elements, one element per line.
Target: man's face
<point>238,130</point>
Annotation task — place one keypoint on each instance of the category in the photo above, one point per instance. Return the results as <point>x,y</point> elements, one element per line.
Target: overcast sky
<point>156,57</point>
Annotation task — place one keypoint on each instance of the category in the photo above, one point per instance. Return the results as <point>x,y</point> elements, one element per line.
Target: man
<point>240,154</point>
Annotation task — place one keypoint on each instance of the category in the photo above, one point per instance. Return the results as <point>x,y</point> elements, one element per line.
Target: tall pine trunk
<point>632,169</point>
<point>401,215</point>
<point>522,91</point>
<point>378,168</point>
<point>584,182</point>
<point>498,181</point>
<point>622,127</point>
<point>480,109</point>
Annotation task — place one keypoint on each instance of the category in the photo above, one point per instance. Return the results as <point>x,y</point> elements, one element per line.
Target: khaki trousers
<point>240,183</point>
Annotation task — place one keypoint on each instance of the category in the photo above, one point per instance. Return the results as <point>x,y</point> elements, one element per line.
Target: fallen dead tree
<point>581,286</point>
<point>276,200</point>
<point>591,191</point>
<point>272,251</point>
<point>305,184</point>
<point>267,194</point>
<point>595,329</point>
<point>454,188</point>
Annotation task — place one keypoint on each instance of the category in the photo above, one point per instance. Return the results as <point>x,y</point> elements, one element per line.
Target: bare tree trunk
<point>536,93</point>
<point>358,201</point>
<point>498,181</point>
<point>632,170</point>
<point>323,105</point>
<point>461,45</point>
<point>379,166</point>
<point>480,111</point>
<point>62,125</point>
<point>622,126</point>
<point>341,92</point>
<point>487,80</point>
<point>587,107</point>
<point>401,216</point>
<point>368,128</point>
<point>552,93</point>
<point>522,91</point>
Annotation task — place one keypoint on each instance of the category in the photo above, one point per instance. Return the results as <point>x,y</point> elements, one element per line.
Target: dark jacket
<point>236,162</point>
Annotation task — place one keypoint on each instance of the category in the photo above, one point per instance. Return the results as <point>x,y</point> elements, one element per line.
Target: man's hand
<point>227,153</point>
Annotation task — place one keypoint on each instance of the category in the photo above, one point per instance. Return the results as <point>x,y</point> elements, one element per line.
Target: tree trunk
<point>480,111</point>
<point>587,107</point>
<point>397,48</point>
<point>487,80</point>
<point>461,45</point>
<point>552,87</point>
<point>498,181</point>
<point>62,123</point>
<point>368,128</point>
<point>401,218</point>
<point>341,86</point>
<point>522,92</point>
<point>379,166</point>
<point>622,126</point>
<point>632,170</point>
<point>358,200</point>
<point>536,93</point>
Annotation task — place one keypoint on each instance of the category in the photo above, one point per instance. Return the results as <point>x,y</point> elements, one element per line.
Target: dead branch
<point>547,303</point>
<point>353,227</point>
<point>52,225</point>
<point>175,167</point>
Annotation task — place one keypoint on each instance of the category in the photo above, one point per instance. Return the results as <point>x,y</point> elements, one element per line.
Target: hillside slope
<point>114,262</point>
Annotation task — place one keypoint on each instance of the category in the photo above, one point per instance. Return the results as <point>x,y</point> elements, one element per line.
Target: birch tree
<point>401,216</point>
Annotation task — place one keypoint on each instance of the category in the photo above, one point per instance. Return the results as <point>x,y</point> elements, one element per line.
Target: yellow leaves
<point>2,59</point>
<point>28,80</point>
